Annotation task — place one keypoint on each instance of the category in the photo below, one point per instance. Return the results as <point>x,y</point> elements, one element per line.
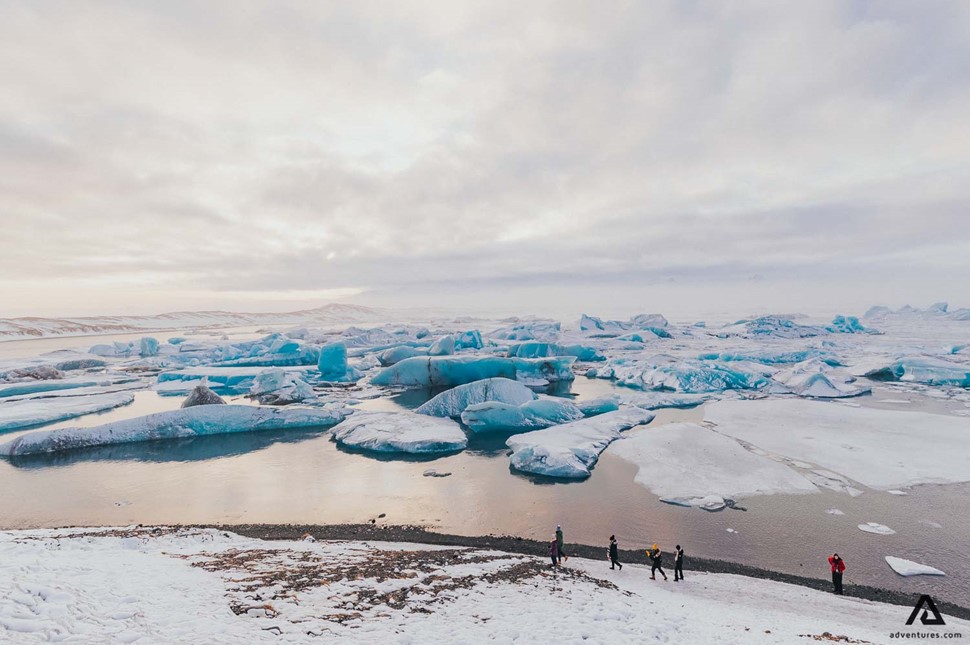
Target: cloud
<point>437,148</point>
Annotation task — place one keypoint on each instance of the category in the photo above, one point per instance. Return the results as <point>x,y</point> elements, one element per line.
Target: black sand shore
<point>512,544</point>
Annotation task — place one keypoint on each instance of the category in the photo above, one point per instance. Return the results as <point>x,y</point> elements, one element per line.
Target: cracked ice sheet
<point>686,462</point>
<point>92,589</point>
<point>881,449</point>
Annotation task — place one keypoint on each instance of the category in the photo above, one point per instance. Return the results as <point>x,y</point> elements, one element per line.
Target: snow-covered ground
<point>159,585</point>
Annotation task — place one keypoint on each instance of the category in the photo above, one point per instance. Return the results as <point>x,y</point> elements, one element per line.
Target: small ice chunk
<point>400,432</point>
<point>909,568</point>
<point>897,492</point>
<point>878,529</point>
<point>834,511</point>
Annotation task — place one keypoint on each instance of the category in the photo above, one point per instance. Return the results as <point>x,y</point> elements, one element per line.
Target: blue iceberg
<point>469,340</point>
<point>570,450</point>
<point>397,354</point>
<point>770,357</point>
<point>451,403</point>
<point>448,371</point>
<point>923,369</point>
<point>849,325</point>
<point>400,432</point>
<point>531,415</point>
<point>537,349</point>
<point>532,330</point>
<point>444,346</point>
<point>333,364</point>
<point>175,424</point>
<point>694,377</point>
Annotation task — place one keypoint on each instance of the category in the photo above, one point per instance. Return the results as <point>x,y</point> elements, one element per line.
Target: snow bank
<point>571,450</point>
<point>38,411</point>
<point>175,424</point>
<point>451,403</point>
<point>445,371</point>
<point>400,432</point>
<point>882,449</point>
<point>541,413</point>
<point>687,464</point>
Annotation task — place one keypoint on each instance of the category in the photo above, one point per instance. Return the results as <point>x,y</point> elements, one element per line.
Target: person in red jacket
<point>838,566</point>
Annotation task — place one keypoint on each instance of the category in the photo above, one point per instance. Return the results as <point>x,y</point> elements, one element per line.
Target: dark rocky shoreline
<point>513,544</point>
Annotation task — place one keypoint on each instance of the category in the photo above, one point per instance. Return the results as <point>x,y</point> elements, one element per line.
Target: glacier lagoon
<point>303,476</point>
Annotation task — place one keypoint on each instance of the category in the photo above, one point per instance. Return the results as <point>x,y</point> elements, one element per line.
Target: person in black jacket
<point>678,564</point>
<point>614,554</point>
<point>657,559</point>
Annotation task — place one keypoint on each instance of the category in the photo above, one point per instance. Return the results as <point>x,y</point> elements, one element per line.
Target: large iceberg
<point>569,451</point>
<point>38,411</point>
<point>694,377</point>
<point>444,346</point>
<point>446,371</point>
<point>400,432</point>
<point>278,387</point>
<point>531,415</point>
<point>923,369</point>
<point>537,349</point>
<point>883,449</point>
<point>175,424</point>
<point>688,465</point>
<point>816,379</point>
<point>451,403</point>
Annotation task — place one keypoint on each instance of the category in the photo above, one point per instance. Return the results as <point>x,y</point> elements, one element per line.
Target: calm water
<point>304,477</point>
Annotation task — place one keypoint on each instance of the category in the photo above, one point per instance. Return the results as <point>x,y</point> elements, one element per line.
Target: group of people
<point>557,553</point>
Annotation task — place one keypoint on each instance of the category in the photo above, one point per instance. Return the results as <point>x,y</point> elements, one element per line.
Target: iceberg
<point>653,323</point>
<point>444,346</point>
<point>849,325</point>
<point>771,327</point>
<point>451,403</point>
<point>660,400</point>
<point>196,421</point>
<point>231,378</point>
<point>446,371</point>
<point>570,450</point>
<point>53,385</point>
<point>532,330</point>
<point>815,379</point>
<point>469,340</point>
<point>881,449</point>
<point>540,413</point>
<point>769,357</point>
<point>277,387</point>
<point>400,432</point>
<point>536,349</point>
<point>922,369</point>
<point>38,411</point>
<point>397,354</point>
<point>333,364</point>
<point>688,465</point>
<point>201,395</point>
<point>147,346</point>
<point>910,568</point>
<point>602,405</point>
<point>694,377</point>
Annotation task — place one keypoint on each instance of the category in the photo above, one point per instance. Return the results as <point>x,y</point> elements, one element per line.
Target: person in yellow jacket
<point>656,557</point>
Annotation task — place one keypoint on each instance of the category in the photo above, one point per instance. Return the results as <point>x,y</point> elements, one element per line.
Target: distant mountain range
<point>335,313</point>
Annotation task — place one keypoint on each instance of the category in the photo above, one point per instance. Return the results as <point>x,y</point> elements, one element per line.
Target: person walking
<point>678,564</point>
<point>838,567</point>
<point>656,556</point>
<point>554,552</point>
<point>559,545</point>
<point>614,554</point>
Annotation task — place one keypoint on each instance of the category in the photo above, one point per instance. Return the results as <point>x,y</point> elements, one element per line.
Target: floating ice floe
<point>602,405</point>
<point>231,378</point>
<point>923,369</point>
<point>175,424</point>
<point>878,529</point>
<point>772,357</point>
<point>444,371</point>
<point>881,449</point>
<point>531,415</point>
<point>536,349</point>
<point>816,379</point>
<point>693,377</point>
<point>660,400</point>
<point>834,511</point>
<point>397,354</point>
<point>909,568</point>
<point>771,327</point>
<point>400,432</point>
<point>532,330</point>
<point>571,450</point>
<point>38,411</point>
<point>202,395</point>
<point>686,464</point>
<point>451,403</point>
<point>655,324</point>
<point>53,385</point>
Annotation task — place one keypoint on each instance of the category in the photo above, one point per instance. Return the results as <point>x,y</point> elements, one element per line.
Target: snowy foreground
<point>160,585</point>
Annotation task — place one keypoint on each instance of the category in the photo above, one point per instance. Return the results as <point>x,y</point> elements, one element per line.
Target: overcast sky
<point>618,157</point>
